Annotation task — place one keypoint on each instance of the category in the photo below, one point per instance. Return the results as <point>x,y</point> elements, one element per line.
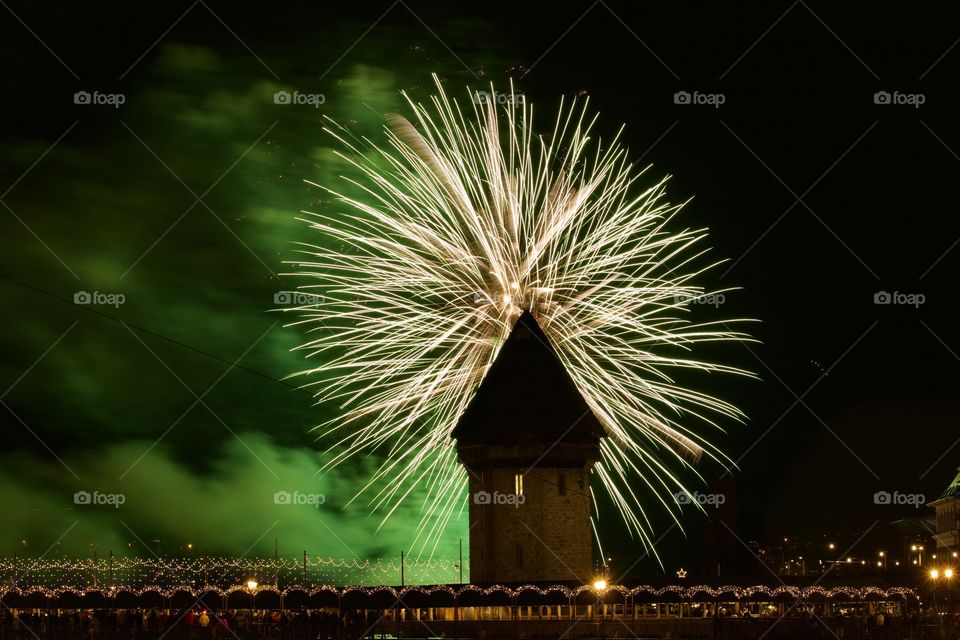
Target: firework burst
<point>465,217</point>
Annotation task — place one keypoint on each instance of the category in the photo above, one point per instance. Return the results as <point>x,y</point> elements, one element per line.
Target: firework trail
<point>463,219</point>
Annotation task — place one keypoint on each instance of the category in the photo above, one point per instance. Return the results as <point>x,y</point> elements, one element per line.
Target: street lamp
<point>252,588</point>
<point>934,575</point>
<point>917,549</point>
<point>600,584</point>
<point>947,574</point>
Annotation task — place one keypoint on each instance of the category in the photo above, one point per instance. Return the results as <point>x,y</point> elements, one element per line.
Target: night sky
<point>183,198</point>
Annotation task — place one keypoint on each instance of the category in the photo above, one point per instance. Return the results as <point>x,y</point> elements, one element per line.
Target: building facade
<point>947,507</point>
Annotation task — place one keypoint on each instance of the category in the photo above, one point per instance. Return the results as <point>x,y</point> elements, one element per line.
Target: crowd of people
<point>195,623</point>
<point>847,624</point>
<point>200,623</point>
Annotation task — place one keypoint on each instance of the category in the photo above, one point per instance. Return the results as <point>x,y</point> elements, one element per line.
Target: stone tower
<point>527,440</point>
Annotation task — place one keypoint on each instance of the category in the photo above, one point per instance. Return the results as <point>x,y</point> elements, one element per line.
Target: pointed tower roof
<point>952,491</point>
<point>527,396</point>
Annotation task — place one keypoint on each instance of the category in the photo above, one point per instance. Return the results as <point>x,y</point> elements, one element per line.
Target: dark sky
<point>818,195</point>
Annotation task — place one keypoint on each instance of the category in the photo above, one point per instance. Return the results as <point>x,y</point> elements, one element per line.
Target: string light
<point>53,578</point>
<point>221,572</point>
<point>672,591</point>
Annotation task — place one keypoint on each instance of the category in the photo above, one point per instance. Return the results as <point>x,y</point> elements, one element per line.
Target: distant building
<point>527,440</point>
<point>948,516</point>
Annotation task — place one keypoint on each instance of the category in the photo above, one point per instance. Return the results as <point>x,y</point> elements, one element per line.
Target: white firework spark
<point>467,217</point>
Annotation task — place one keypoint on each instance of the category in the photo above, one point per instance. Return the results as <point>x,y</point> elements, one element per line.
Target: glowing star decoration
<point>465,218</point>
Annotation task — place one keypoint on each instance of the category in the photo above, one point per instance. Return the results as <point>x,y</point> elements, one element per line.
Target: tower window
<point>518,484</point>
<point>562,484</point>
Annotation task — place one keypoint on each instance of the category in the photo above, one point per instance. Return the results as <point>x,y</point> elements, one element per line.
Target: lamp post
<point>599,585</point>
<point>252,588</point>
<point>918,550</point>
<point>947,575</point>
<point>934,576</point>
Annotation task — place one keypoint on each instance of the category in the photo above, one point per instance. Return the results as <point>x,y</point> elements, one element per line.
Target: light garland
<point>755,592</point>
<point>221,572</point>
<point>113,577</point>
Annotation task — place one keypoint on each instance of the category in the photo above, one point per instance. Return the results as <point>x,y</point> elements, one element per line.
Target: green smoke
<point>112,408</point>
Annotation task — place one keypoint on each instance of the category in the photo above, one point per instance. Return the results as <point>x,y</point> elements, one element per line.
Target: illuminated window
<point>518,484</point>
